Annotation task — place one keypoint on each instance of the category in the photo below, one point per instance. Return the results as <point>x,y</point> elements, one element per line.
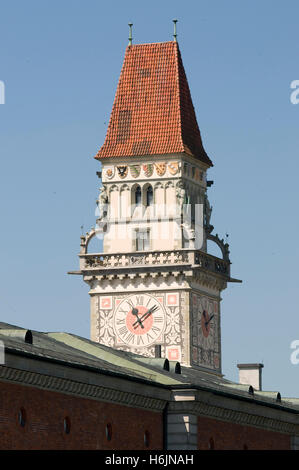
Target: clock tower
<point>154,289</point>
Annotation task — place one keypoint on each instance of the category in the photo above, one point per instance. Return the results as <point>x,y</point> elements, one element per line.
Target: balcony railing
<point>183,257</point>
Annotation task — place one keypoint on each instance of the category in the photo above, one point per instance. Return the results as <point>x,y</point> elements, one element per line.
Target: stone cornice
<point>80,389</point>
<point>283,423</point>
<point>247,419</point>
<point>185,276</point>
<point>120,397</point>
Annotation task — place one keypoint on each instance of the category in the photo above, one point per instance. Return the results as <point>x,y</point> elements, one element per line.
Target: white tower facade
<point>154,289</point>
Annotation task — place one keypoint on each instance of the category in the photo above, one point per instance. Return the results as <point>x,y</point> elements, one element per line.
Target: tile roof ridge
<point>177,52</point>
<point>97,155</point>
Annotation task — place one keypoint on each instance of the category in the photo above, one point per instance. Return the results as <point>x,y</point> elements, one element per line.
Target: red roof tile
<point>153,112</point>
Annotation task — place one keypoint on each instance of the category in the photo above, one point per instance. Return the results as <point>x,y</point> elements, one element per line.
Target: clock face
<point>207,324</point>
<point>139,320</point>
<point>207,319</point>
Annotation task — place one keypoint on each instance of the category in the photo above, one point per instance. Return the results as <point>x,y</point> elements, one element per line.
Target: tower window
<point>142,240</point>
<point>149,196</point>
<point>138,196</point>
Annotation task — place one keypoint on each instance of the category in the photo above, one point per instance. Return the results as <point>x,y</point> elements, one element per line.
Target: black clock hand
<point>208,321</point>
<point>149,312</point>
<point>146,315</point>
<point>138,320</point>
<point>134,312</point>
<point>129,302</point>
<point>142,318</point>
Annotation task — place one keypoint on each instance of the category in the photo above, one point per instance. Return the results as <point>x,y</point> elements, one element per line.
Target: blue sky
<point>60,62</point>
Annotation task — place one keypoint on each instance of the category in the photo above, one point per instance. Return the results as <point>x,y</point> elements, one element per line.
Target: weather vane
<point>130,34</point>
<point>174,30</point>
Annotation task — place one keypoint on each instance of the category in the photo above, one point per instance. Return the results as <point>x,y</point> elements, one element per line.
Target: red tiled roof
<point>153,112</point>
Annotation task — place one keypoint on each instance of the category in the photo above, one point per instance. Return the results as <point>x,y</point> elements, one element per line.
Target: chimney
<point>158,351</point>
<point>251,374</point>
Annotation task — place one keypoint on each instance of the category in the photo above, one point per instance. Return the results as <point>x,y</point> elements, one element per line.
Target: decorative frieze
<point>84,390</point>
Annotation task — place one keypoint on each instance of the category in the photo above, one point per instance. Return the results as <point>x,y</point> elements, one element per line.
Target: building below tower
<point>61,391</point>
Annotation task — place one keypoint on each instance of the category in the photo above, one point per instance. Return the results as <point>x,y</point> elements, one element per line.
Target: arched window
<point>138,196</point>
<point>67,425</point>
<point>211,444</point>
<point>149,196</point>
<point>142,237</point>
<point>108,431</point>
<point>146,439</point>
<point>22,417</point>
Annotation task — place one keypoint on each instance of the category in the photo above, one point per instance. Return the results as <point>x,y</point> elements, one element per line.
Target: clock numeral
<point>155,329</point>
<point>149,337</point>
<point>129,302</point>
<point>130,337</point>
<point>123,330</point>
<point>120,321</point>
<point>139,340</point>
<point>123,311</point>
<point>158,319</point>
<point>149,300</point>
<point>139,299</point>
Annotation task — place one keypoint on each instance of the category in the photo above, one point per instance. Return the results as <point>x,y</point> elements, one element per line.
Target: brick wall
<point>224,435</point>
<point>44,414</point>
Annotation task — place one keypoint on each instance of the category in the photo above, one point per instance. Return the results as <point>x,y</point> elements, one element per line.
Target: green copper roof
<point>126,361</point>
<point>74,351</point>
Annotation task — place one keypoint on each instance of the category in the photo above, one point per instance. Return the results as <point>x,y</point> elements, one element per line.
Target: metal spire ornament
<point>130,34</point>
<point>174,30</point>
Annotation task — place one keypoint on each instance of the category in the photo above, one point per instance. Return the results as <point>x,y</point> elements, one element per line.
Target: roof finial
<point>130,34</point>
<point>174,30</point>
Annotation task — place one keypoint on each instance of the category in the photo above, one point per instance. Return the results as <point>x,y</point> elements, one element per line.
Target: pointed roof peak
<point>153,113</point>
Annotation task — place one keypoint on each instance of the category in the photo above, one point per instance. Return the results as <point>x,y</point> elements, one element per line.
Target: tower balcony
<point>177,260</point>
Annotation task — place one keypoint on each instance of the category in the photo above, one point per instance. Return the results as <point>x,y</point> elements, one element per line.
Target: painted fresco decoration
<point>136,322</point>
<point>109,172</point>
<point>148,169</point>
<point>173,168</point>
<point>135,170</point>
<point>122,171</point>
<point>160,168</point>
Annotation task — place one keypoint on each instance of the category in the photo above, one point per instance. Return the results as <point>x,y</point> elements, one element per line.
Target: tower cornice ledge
<point>187,261</point>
